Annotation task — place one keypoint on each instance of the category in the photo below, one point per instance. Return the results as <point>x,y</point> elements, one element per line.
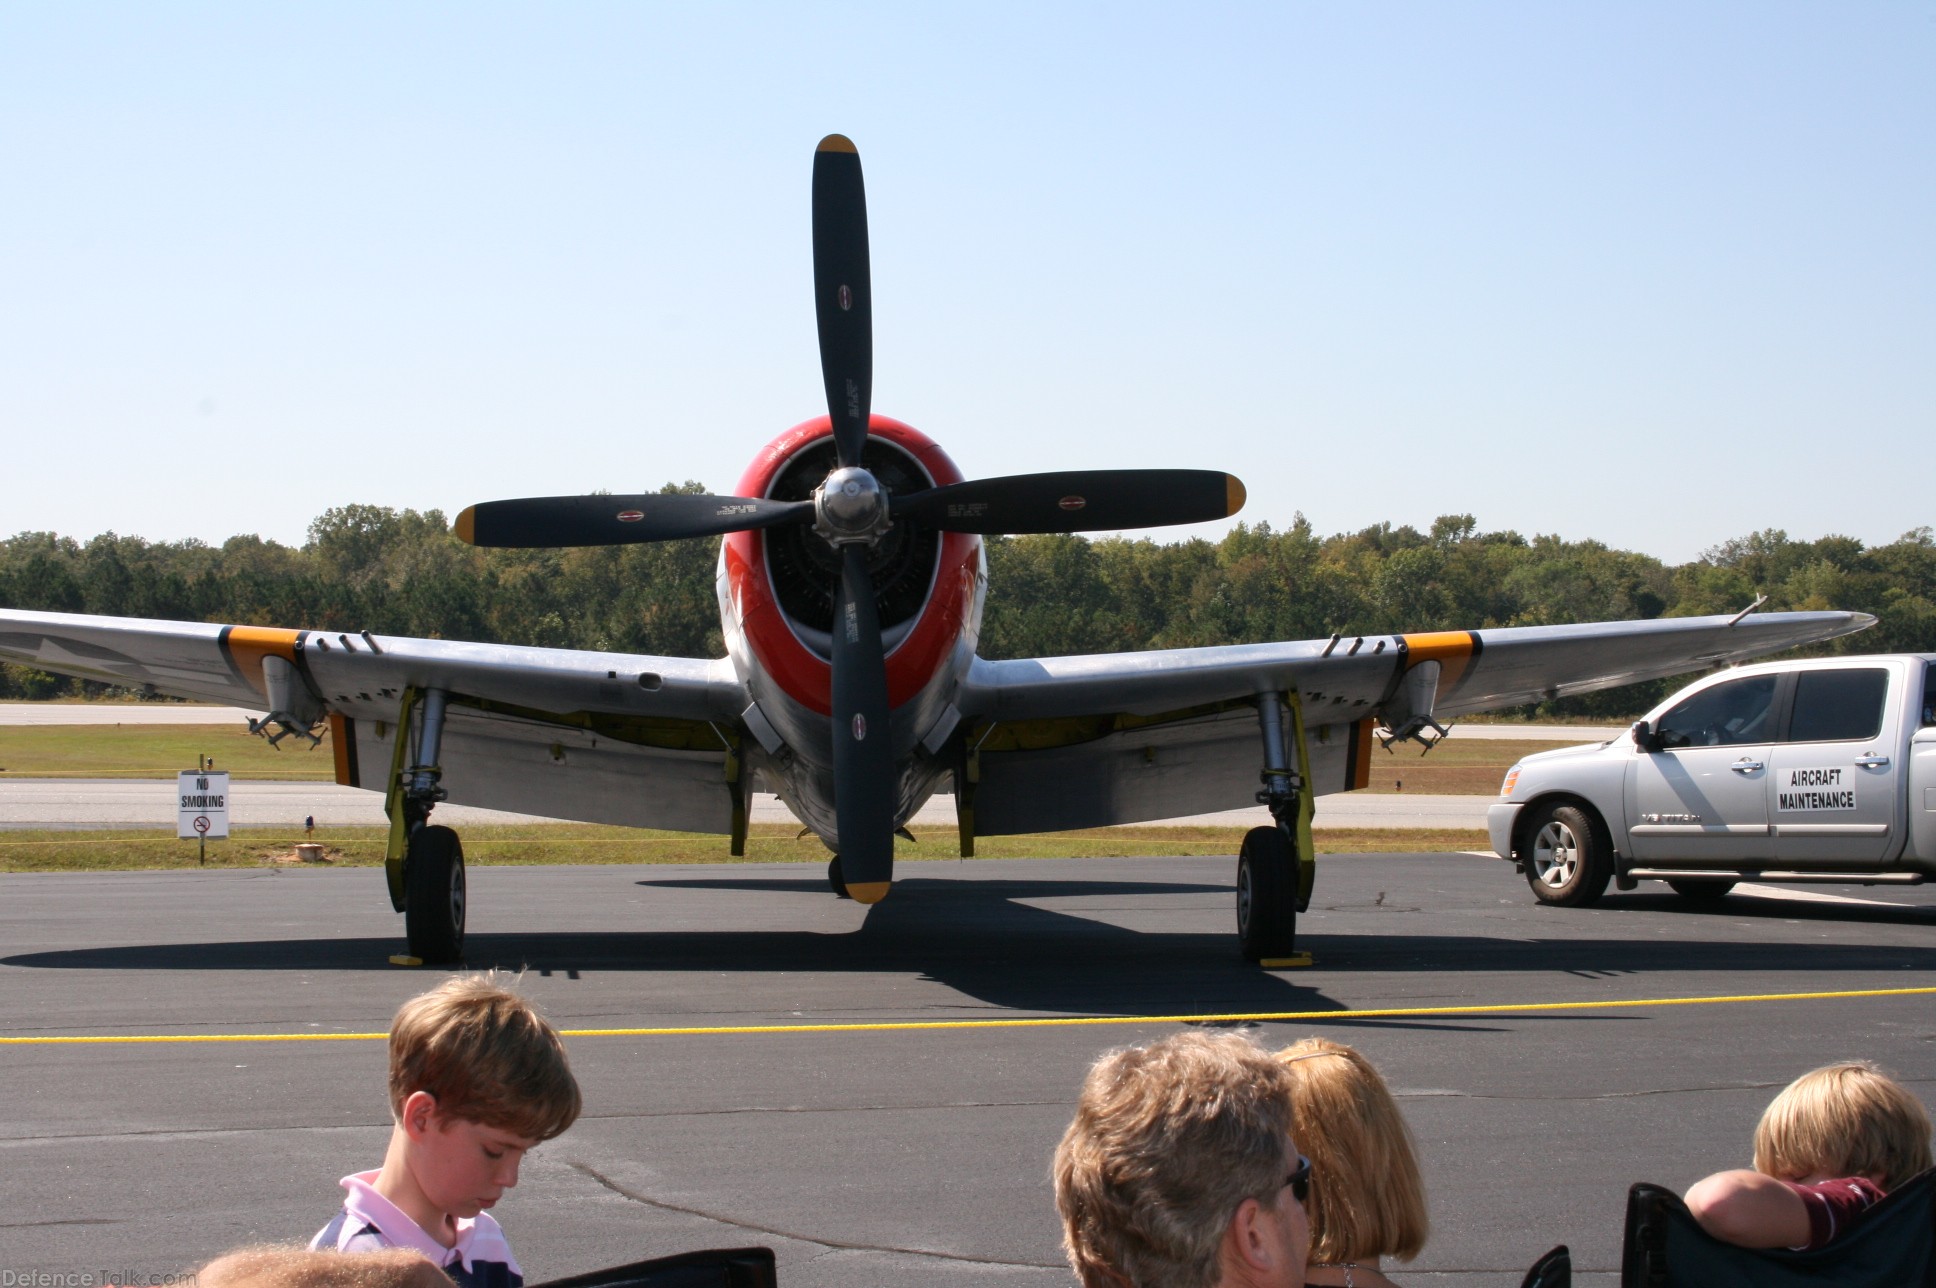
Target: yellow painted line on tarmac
<point>1050,1022</point>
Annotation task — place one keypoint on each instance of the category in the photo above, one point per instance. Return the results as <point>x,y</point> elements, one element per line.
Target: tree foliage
<point>401,572</point>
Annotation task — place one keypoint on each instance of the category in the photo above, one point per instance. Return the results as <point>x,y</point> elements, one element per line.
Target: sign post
<point>201,807</point>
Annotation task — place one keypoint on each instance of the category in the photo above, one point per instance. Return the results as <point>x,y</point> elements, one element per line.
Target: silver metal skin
<point>1194,765</point>
<point>850,507</point>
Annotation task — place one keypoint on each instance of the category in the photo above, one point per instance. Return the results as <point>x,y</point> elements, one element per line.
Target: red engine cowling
<point>782,580</point>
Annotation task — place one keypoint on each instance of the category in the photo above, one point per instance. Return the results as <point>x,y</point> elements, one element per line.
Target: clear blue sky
<point>1656,274</point>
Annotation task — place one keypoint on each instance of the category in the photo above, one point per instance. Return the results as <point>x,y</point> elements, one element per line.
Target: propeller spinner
<point>850,510</point>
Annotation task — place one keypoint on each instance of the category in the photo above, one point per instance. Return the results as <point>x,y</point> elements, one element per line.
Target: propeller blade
<point>843,299</point>
<point>546,521</point>
<point>864,779</point>
<point>1075,501</point>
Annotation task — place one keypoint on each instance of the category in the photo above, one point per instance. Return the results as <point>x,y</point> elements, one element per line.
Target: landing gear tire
<point>433,884</point>
<point>1567,856</point>
<point>1266,894</point>
<point>834,878</point>
<point>1701,889</point>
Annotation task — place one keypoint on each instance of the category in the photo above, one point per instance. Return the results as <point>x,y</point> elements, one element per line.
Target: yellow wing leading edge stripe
<point>246,646</point>
<point>1454,651</point>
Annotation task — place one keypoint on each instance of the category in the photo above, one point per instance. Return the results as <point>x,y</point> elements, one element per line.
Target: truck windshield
<point>1730,713</point>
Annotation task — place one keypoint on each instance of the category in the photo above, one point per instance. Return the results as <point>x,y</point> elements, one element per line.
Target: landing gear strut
<point>1276,865</point>
<point>424,863</point>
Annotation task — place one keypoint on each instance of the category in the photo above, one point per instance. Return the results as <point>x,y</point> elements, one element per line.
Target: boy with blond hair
<point>1828,1148</point>
<point>477,1078</point>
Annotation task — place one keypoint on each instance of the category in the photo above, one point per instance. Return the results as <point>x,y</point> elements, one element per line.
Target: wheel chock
<point>1268,963</point>
<point>405,959</point>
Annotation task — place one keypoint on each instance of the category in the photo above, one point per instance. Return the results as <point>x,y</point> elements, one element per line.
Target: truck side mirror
<point>1645,736</point>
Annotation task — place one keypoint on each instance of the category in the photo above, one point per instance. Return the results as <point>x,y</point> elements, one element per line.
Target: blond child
<point>477,1078</point>
<point>293,1266</point>
<point>1367,1197</point>
<point>1827,1149</point>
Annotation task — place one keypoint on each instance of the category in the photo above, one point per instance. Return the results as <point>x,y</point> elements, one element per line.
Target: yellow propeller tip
<point>868,891</point>
<point>837,143</point>
<point>1234,494</point>
<point>466,526</point>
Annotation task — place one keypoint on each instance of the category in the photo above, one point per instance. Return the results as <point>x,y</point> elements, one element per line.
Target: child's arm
<point>1750,1210</point>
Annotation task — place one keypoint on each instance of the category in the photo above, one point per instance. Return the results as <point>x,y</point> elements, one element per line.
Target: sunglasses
<point>1300,1180</point>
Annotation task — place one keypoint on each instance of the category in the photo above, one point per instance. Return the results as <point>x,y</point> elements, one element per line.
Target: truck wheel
<point>1701,889</point>
<point>1568,861</point>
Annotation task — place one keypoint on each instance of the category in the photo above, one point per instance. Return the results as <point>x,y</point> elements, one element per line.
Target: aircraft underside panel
<point>528,767</point>
<point>1143,775</point>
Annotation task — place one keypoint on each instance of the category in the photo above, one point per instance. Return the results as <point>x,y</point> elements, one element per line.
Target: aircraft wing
<point>599,737</point>
<point>1067,742</point>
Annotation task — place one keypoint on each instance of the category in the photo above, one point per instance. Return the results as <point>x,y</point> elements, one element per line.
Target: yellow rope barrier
<point>1047,1022</point>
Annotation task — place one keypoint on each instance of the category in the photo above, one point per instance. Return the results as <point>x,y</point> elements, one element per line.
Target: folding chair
<point>1892,1246</point>
<point>715,1268</point>
<point>1554,1270</point>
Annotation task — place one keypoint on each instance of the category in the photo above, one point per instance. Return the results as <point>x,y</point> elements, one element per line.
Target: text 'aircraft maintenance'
<point>850,582</point>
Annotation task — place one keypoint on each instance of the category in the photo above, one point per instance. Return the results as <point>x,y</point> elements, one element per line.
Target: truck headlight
<point>1512,777</point>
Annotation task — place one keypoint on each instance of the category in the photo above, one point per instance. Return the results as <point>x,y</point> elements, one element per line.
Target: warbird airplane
<point>851,581</point>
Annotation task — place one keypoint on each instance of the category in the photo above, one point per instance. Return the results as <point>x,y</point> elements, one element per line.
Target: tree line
<point>365,567</point>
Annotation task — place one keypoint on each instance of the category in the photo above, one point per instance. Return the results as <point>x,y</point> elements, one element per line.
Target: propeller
<point>853,514</point>
<point>843,299</point>
<point>851,511</point>
<point>1075,501</point>
<point>865,786</point>
<point>601,520</point>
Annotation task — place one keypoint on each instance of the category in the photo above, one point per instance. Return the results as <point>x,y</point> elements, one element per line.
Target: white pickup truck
<point>1817,771</point>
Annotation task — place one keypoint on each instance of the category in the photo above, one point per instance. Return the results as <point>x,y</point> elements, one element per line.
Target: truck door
<point>1834,778</point>
<point>1703,797</point>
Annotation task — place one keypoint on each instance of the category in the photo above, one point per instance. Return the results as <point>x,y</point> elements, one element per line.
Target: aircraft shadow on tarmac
<point>991,942</point>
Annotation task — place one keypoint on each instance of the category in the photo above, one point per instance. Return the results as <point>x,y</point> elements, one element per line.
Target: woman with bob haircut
<point>1367,1200</point>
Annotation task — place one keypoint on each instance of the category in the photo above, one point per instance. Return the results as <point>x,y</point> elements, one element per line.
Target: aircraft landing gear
<point>835,880</point>
<point>433,906</point>
<point>1276,864</point>
<point>1266,894</point>
<point>424,863</point>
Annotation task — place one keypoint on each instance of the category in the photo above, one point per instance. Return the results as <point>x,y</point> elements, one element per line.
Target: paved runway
<point>133,802</point>
<point>902,1156</point>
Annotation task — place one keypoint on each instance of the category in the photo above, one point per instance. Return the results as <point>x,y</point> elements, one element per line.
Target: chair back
<point>1554,1270</point>
<point>713,1268</point>
<point>1892,1246</point>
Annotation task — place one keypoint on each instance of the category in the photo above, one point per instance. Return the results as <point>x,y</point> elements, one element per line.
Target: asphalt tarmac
<point>896,1155</point>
